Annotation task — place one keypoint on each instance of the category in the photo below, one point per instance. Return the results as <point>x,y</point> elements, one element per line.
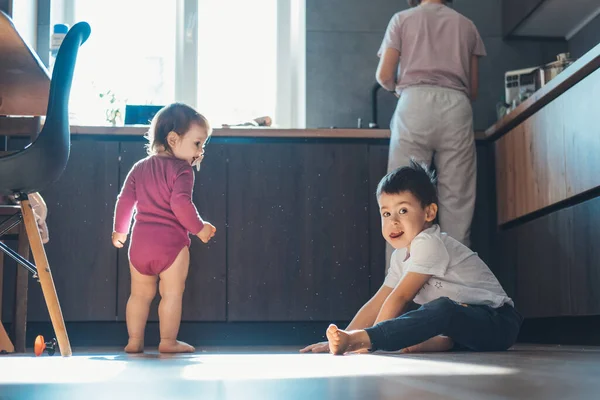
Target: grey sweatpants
<point>436,124</point>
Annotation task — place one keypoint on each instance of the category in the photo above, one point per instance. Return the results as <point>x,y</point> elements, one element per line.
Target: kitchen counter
<point>548,196</point>
<point>336,133</point>
<point>323,133</point>
<point>576,72</point>
<point>295,212</point>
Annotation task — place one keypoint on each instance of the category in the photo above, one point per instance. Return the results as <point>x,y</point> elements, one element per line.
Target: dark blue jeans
<point>477,328</point>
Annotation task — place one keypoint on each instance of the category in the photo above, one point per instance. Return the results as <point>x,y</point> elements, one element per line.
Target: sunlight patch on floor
<point>283,366</point>
<point>56,369</point>
<point>225,367</point>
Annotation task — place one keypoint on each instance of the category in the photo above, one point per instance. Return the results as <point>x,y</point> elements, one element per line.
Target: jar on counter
<point>59,32</point>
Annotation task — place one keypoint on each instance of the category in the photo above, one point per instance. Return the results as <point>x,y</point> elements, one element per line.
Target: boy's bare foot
<point>134,346</point>
<point>175,346</point>
<point>341,341</point>
<point>435,344</point>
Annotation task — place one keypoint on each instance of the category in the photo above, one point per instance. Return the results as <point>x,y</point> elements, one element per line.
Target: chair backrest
<point>42,163</point>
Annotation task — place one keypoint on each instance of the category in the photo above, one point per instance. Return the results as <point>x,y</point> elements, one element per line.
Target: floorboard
<point>525,372</point>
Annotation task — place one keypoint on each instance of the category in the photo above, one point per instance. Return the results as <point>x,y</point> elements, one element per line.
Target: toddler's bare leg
<point>143,290</point>
<point>171,286</point>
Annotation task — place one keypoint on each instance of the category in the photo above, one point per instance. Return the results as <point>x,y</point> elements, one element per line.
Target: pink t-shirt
<point>160,189</point>
<point>435,44</point>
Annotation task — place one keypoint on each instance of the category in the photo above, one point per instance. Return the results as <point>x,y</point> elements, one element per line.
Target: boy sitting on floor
<point>461,303</point>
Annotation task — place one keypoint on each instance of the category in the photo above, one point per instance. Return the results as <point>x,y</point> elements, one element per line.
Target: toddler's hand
<point>119,239</point>
<point>207,232</point>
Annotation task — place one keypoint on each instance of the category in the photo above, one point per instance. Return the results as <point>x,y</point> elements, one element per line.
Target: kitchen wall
<point>342,40</point>
<point>585,39</point>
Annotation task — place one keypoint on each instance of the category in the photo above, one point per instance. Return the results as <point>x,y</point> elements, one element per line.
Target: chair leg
<point>1,280</point>
<point>19,326</point>
<point>45,277</point>
<point>5,343</point>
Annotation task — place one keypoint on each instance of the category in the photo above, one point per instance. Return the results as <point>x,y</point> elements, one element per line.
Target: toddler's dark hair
<point>176,117</point>
<point>415,178</point>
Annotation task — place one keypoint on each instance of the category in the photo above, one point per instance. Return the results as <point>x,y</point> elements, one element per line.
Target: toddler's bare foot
<point>341,341</point>
<point>435,344</point>
<point>175,346</point>
<point>134,346</point>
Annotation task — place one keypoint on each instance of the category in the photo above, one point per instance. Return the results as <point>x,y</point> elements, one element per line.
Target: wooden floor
<point>527,372</point>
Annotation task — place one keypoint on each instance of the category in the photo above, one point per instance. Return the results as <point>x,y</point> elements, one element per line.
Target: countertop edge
<point>23,126</point>
<point>572,75</point>
<point>341,133</point>
<point>333,133</point>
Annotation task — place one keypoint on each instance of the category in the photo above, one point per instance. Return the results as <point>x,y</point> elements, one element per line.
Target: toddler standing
<point>159,188</point>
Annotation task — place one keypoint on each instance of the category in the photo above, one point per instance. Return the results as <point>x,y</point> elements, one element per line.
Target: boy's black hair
<point>415,178</point>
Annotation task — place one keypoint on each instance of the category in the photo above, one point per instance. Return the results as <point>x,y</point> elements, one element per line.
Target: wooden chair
<point>38,166</point>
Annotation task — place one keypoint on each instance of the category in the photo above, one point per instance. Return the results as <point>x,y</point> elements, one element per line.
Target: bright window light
<point>130,53</point>
<point>250,58</point>
<point>237,59</point>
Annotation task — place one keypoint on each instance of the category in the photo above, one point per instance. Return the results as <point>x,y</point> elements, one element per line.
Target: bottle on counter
<point>58,34</point>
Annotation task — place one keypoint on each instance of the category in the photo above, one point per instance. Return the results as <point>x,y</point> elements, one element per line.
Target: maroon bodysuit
<point>160,189</point>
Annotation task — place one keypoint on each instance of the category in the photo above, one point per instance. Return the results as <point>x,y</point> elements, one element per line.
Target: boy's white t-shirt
<point>458,273</point>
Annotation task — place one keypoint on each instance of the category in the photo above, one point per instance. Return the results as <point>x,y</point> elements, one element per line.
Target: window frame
<point>290,103</point>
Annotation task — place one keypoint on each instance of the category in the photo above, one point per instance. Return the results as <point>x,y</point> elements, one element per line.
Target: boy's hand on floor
<point>119,239</point>
<point>321,347</point>
<point>207,232</point>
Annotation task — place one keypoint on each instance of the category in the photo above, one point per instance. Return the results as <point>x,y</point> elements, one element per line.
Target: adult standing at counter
<point>429,57</point>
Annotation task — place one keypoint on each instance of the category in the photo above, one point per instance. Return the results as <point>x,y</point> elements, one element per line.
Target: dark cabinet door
<point>558,262</point>
<point>585,264</point>
<point>80,253</point>
<point>298,231</point>
<point>204,296</point>
<point>378,160</point>
<point>544,265</point>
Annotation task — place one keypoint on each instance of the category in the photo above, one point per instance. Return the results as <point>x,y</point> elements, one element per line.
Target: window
<point>234,60</point>
<point>129,58</point>
<point>237,59</point>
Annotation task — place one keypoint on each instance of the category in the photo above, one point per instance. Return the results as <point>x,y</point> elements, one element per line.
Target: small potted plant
<point>113,112</point>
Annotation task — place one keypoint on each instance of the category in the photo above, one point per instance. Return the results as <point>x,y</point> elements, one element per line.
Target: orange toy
<point>40,346</point>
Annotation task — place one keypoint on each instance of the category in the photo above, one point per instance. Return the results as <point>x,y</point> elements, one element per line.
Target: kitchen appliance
<point>551,70</point>
<point>520,84</point>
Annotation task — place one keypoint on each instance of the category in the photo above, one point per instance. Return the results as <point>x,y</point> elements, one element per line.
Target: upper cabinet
<point>547,18</point>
